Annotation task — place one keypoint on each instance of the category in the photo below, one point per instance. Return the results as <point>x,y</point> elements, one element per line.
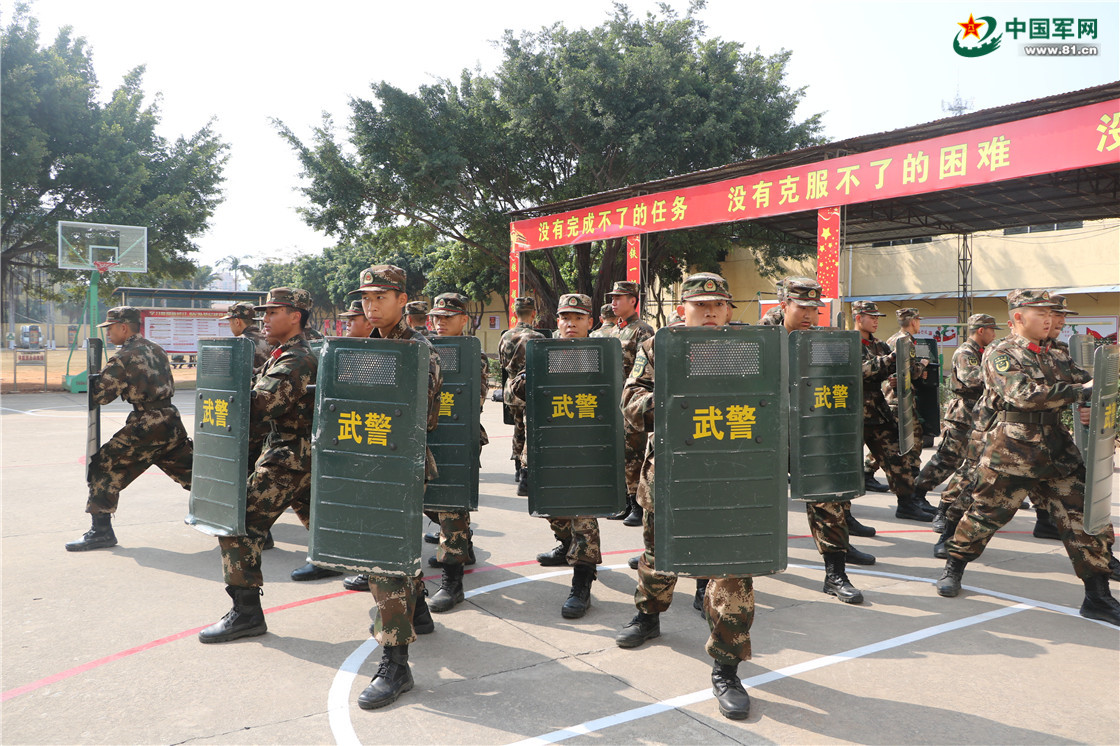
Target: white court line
<point>39,412</point>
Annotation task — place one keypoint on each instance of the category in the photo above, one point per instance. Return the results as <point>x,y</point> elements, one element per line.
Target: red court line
<point>71,672</point>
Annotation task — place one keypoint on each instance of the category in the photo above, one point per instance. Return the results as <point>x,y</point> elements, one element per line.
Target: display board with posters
<point>177,330</point>
<point>1097,327</point>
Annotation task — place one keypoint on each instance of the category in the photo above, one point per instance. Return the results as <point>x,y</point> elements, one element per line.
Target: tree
<point>568,113</point>
<point>236,268</point>
<point>68,156</point>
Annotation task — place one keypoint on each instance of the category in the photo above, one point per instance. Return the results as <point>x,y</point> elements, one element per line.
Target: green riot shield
<point>573,427</point>
<point>95,348</point>
<point>927,391</point>
<point>1082,347</point>
<point>455,441</point>
<point>367,455</point>
<point>221,436</point>
<point>1101,445</point>
<point>316,346</point>
<point>721,442</point>
<point>904,356</point>
<point>826,416</point>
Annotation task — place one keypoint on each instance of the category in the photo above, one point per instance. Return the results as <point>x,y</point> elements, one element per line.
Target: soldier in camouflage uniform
<point>1025,450</point>
<point>910,323</point>
<point>417,312</point>
<point>281,397</point>
<point>606,313</point>
<point>139,374</point>
<point>511,355</point>
<point>631,331</point>
<point>773,317</point>
<point>243,323</point>
<point>358,324</point>
<point>728,602</point>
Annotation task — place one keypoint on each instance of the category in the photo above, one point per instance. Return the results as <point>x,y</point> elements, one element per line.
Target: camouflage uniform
<point>728,602</point>
<point>247,312</point>
<point>282,400</point>
<point>511,355</point>
<point>417,311</point>
<point>880,428</point>
<point>966,384</point>
<point>1025,450</point>
<point>890,394</point>
<point>140,374</point>
<point>631,333</point>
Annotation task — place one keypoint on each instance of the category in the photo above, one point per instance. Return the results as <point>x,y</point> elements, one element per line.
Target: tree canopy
<point>567,113</point>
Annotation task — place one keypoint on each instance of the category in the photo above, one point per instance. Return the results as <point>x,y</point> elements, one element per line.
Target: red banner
<point>828,251</point>
<point>1061,141</point>
<point>634,259</point>
<point>514,282</point>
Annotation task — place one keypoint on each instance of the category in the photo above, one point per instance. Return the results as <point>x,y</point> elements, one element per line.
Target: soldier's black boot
<point>939,519</point>
<point>516,470</point>
<point>836,581</point>
<point>99,536</point>
<point>921,502</point>
<point>856,557</point>
<point>635,517</point>
<point>313,572</point>
<point>579,600</point>
<point>873,484</point>
<point>432,537</point>
<point>269,542</point>
<point>940,549</point>
<point>639,629</point>
<point>450,591</point>
<point>855,528</point>
<point>1113,566</point>
<point>733,700</point>
<point>356,582</point>
<point>1044,528</point>
<point>393,678</point>
<point>245,619</point>
<point>626,509</point>
<point>558,557</point>
<point>1099,603</point>
<point>911,510</point>
<point>523,483</point>
<point>949,585</point>
<point>698,599</point>
<point>632,563</point>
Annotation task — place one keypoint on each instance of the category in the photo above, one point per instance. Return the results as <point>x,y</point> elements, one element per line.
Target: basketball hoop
<point>104,267</point>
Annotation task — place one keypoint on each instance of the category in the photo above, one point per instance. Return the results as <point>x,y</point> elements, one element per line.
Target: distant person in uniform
<point>359,325</point>
<point>916,508</point>
<point>417,312</point>
<point>606,313</point>
<point>140,374</point>
<point>511,355</point>
<point>243,323</point>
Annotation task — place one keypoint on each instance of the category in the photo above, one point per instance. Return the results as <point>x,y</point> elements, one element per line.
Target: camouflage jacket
<point>966,382</point>
<point>282,402</point>
<point>140,374</point>
<point>773,317</point>
<point>877,366</point>
<point>435,383</point>
<point>483,438</point>
<point>311,334</point>
<point>631,334</point>
<point>261,348</point>
<point>1068,371</point>
<point>511,354</point>
<point>606,330</point>
<point>1022,377</point>
<point>637,414</point>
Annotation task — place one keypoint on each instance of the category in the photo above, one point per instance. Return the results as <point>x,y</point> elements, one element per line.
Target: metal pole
<point>964,278</point>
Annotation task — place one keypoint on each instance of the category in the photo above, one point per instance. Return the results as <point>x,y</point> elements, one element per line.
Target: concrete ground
<point>100,647</point>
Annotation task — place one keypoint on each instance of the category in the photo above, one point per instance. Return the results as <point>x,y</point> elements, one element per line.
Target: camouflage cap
<point>982,321</point>
<point>804,291</point>
<point>1063,306</point>
<point>125,314</point>
<point>906,315</point>
<point>286,298</point>
<point>380,277</point>
<point>243,311</point>
<point>704,286</point>
<point>865,308</point>
<point>607,312</point>
<point>574,303</point>
<point>626,287</point>
<point>449,304</point>
<point>354,310</point>
<point>416,308</point>
<point>1031,298</point>
<point>674,319</point>
<point>781,285</point>
<point>526,303</point>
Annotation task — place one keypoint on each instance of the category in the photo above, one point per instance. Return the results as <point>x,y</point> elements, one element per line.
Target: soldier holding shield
<point>511,355</point>
<point>242,320</point>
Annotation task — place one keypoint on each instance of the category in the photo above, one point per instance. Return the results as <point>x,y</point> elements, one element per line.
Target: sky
<point>867,67</point>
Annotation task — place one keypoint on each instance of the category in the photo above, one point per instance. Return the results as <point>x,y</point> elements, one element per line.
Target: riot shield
<point>316,346</point>
<point>721,441</point>
<point>367,455</point>
<point>904,357</point>
<point>221,436</point>
<point>927,393</point>
<point>1082,347</point>
<point>826,416</point>
<point>573,427</point>
<point>1101,444</point>
<point>455,441</point>
<point>507,413</point>
<point>95,349</point>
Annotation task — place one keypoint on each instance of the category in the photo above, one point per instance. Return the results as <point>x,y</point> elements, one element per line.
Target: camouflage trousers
<point>728,602</point>
<point>829,525</point>
<point>518,434</point>
<point>396,598</point>
<point>635,457</point>
<point>151,438</point>
<point>949,456</point>
<point>272,488</point>
<point>998,496</point>
<point>882,441</point>
<point>581,534</point>
<point>454,534</point>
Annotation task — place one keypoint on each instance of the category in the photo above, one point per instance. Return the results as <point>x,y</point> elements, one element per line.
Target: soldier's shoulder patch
<point>971,360</point>
<point>1002,362</point>
<point>640,363</point>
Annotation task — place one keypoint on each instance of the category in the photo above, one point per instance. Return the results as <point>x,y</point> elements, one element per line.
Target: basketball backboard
<point>80,245</point>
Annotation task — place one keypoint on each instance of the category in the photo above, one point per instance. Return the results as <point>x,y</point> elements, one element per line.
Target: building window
<point>1042,227</point>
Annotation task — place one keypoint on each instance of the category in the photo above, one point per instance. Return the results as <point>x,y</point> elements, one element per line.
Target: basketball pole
<point>79,383</point>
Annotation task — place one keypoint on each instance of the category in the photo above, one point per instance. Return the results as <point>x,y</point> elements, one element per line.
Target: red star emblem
<point>971,27</point>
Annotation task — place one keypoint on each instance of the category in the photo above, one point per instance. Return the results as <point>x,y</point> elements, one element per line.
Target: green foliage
<point>567,113</point>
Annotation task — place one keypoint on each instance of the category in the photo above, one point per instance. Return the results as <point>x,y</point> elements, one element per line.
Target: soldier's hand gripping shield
<point>927,391</point>
<point>368,454</point>
<point>903,360</point>
<point>826,416</point>
<point>573,427</point>
<point>221,436</point>
<point>1100,446</point>
<point>721,445</point>
<point>1082,347</point>
<point>455,441</point>
<point>95,349</point>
